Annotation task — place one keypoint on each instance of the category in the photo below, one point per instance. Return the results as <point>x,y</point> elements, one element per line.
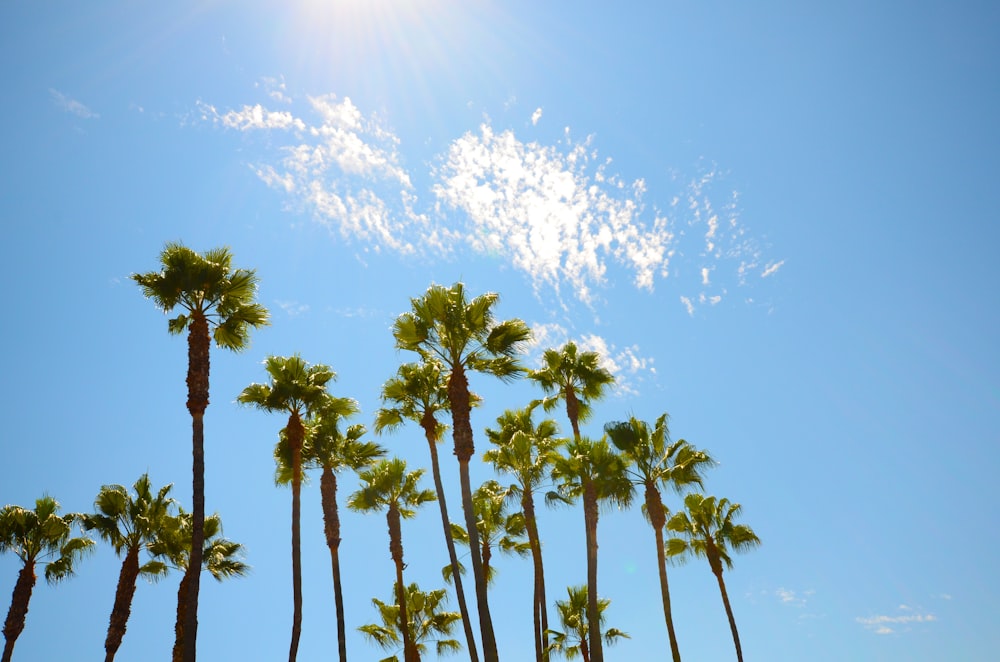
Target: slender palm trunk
<point>573,411</point>
<point>658,519</point>
<point>729,613</point>
<point>296,433</point>
<point>590,514</point>
<point>431,433</point>
<point>14,624</point>
<point>584,651</point>
<point>396,551</point>
<point>541,619</point>
<point>331,527</point>
<point>458,395</point>
<point>197,382</point>
<point>182,593</point>
<point>123,603</point>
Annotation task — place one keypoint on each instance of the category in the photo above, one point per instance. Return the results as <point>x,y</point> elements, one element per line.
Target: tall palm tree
<point>221,557</point>
<point>464,336</point>
<point>418,393</point>
<point>331,450</point>
<point>295,388</point>
<point>593,471</point>
<point>498,528</point>
<point>39,536</point>
<point>707,528</point>
<point>218,302</point>
<point>130,523</point>
<point>524,451</point>
<point>656,462</point>
<point>387,486</point>
<point>425,624</point>
<point>573,616</point>
<point>574,377</point>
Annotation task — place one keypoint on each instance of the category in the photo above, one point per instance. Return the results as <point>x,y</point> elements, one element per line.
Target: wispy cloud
<point>293,308</point>
<point>558,212</point>
<point>886,624</point>
<point>72,105</point>
<point>793,598</point>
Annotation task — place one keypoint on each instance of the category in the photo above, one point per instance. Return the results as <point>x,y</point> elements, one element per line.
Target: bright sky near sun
<point>771,219</point>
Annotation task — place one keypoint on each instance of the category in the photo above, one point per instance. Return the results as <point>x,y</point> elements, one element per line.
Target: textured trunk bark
<point>296,434</point>
<point>331,527</point>
<point>593,612</point>
<point>182,593</point>
<point>396,552</point>
<point>541,620</point>
<point>14,624</point>
<point>658,519</point>
<point>199,343</point>
<point>429,424</point>
<point>458,396</point>
<point>123,603</point>
<point>573,411</point>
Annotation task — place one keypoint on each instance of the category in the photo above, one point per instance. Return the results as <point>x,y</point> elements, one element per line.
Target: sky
<point>771,220</point>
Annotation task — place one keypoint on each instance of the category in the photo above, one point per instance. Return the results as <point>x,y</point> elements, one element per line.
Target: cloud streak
<point>885,624</point>
<point>72,105</point>
<point>557,212</point>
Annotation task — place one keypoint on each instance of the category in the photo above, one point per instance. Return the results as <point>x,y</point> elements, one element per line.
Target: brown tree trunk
<point>573,411</point>
<point>14,624</point>
<point>182,593</point>
<point>430,432</point>
<point>658,519</point>
<point>197,383</point>
<point>716,563</point>
<point>458,396</point>
<point>123,603</point>
<point>296,434</point>
<point>541,619</point>
<point>396,552</point>
<point>590,514</point>
<point>331,527</point>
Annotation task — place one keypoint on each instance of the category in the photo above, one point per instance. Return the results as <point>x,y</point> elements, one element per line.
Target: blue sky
<point>773,221</point>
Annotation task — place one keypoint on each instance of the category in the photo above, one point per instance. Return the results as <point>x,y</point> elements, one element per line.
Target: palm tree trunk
<point>458,396</point>
<point>296,433</point>
<point>331,527</point>
<point>14,624</point>
<point>197,382</point>
<point>729,613</point>
<point>590,514</point>
<point>573,411</point>
<point>540,612</point>
<point>658,519</point>
<point>430,433</point>
<point>123,603</point>
<point>182,593</point>
<point>396,552</point>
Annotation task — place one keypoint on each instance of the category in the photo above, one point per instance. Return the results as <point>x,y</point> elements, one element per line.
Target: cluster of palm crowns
<point>451,336</point>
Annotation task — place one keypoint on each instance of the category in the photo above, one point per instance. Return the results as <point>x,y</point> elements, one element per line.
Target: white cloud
<point>293,308</point>
<point>72,105</point>
<point>882,624</point>
<point>557,212</point>
<point>793,598</point>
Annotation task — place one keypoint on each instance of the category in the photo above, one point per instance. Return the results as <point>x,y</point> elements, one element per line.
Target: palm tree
<point>573,616</point>
<point>525,451</point>
<point>655,461</point>
<point>130,524</point>
<point>707,529</point>
<point>498,529</point>
<point>37,536</point>
<point>590,469</point>
<point>331,450</point>
<point>464,336</point>
<point>425,623</point>
<point>221,557</point>
<point>418,393</point>
<point>387,486</point>
<point>295,388</point>
<point>217,298</point>
<point>573,377</point>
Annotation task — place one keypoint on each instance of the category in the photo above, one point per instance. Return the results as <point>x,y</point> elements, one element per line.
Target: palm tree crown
<point>576,624</point>
<point>574,377</point>
<point>37,536</point>
<point>426,623</point>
